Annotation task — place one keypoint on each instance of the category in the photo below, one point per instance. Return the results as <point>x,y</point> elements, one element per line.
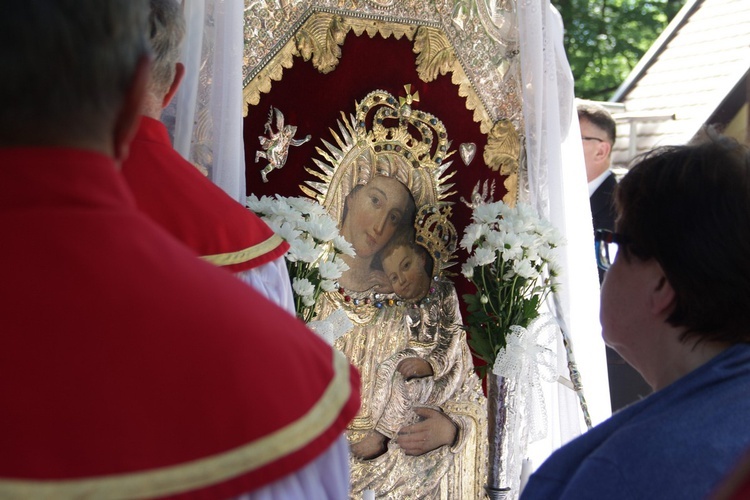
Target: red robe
<point>128,366</point>
<point>193,209</point>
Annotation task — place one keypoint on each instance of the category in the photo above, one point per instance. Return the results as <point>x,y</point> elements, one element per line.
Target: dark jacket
<point>603,204</point>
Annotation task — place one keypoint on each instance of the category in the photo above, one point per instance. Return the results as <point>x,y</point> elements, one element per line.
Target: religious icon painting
<point>408,109</point>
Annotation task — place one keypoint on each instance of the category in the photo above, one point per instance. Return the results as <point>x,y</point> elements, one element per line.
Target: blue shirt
<point>677,443</point>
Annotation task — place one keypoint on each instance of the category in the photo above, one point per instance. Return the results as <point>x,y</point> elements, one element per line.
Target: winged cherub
<point>276,145</point>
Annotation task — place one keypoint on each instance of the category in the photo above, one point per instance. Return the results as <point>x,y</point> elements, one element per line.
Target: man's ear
<point>128,118</point>
<point>662,293</point>
<point>179,72</point>
<point>603,150</point>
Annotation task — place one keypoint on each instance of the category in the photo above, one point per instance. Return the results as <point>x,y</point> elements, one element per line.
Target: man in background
<point>128,367</point>
<point>172,192</point>
<point>598,132</point>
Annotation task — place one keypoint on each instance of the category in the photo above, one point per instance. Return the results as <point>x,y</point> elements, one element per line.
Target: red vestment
<point>193,209</point>
<point>128,366</point>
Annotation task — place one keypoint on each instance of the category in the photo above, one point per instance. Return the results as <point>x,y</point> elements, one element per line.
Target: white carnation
<point>303,288</point>
<point>308,301</point>
<point>494,238</point>
<point>329,270</point>
<point>487,213</point>
<point>484,256</point>
<point>283,210</point>
<point>329,285</point>
<point>305,250</point>
<point>467,268</point>
<point>524,269</point>
<point>343,246</point>
<point>263,205</point>
<point>547,254</point>
<point>320,228</point>
<point>305,206</point>
<point>472,233</point>
<point>512,247</point>
<point>286,231</point>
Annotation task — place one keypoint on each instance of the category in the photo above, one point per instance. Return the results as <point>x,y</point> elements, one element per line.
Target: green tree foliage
<point>605,39</point>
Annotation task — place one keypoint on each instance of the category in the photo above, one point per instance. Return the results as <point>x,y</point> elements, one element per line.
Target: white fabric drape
<point>211,93</point>
<point>225,102</point>
<point>557,188</point>
<point>186,99</point>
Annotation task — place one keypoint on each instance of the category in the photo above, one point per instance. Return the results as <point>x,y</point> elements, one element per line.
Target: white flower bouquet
<point>313,260</point>
<point>511,262</point>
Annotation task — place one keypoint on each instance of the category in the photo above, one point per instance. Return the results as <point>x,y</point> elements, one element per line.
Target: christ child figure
<point>421,374</point>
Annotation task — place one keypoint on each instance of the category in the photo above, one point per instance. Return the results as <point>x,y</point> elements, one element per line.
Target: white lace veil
<point>211,93</point>
<point>557,187</point>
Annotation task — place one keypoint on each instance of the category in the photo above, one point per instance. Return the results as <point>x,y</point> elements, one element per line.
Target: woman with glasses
<point>676,305</point>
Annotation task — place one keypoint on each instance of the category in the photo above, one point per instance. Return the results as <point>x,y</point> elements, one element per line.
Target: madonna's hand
<point>435,430</point>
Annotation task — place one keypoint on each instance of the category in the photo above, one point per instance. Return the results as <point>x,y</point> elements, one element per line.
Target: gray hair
<point>167,30</point>
<point>67,65</point>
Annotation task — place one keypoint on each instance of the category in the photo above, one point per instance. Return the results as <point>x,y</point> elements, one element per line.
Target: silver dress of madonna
<point>381,338</point>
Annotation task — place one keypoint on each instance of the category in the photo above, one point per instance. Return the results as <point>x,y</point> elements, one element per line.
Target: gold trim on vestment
<point>202,472</point>
<point>250,253</point>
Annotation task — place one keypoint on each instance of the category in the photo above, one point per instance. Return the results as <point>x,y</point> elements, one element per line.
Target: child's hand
<point>414,368</point>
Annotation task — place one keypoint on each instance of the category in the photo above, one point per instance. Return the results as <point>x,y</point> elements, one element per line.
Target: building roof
<point>683,79</point>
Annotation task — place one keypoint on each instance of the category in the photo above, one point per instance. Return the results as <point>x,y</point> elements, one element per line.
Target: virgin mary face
<point>373,213</point>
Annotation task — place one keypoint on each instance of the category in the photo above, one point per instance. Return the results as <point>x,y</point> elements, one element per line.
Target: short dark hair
<point>600,117</point>
<point>67,65</point>
<point>688,207</point>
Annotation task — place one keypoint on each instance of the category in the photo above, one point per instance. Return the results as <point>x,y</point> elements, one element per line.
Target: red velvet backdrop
<point>313,101</point>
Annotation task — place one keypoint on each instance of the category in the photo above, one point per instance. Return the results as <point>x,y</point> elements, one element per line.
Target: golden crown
<point>385,136</point>
<point>434,231</point>
<point>427,150</point>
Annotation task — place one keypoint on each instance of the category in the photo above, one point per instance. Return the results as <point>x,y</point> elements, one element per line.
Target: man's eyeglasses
<point>603,238</point>
<point>586,138</point>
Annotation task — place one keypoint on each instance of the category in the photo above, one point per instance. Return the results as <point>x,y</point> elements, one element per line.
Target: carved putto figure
<point>276,145</point>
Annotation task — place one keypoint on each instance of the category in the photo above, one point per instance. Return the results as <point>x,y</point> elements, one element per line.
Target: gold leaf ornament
<point>320,39</point>
<point>503,148</point>
<point>435,54</point>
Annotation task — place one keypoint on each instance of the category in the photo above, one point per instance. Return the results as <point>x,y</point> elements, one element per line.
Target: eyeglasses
<point>586,138</point>
<point>603,238</point>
